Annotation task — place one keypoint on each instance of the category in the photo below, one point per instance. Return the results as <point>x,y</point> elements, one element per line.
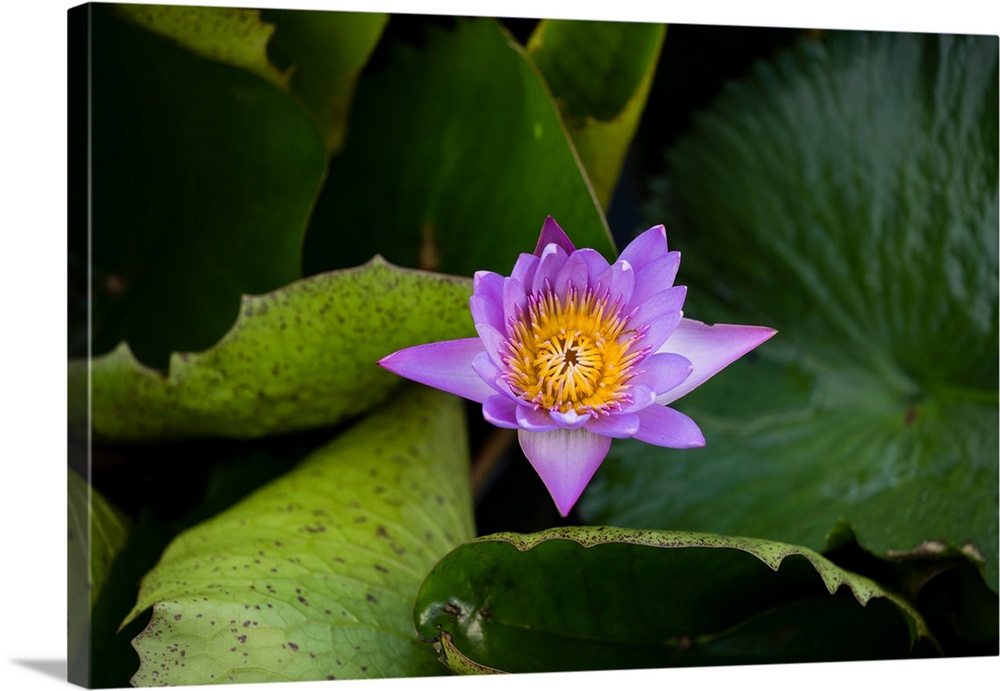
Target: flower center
<point>572,353</point>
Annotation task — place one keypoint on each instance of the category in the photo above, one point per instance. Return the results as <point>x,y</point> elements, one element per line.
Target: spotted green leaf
<point>313,576</point>
<point>201,176</point>
<point>230,35</point>
<point>610,598</point>
<point>300,357</point>
<point>315,55</point>
<point>599,74</point>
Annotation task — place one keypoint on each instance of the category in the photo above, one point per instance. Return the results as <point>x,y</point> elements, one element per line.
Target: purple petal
<point>619,279</point>
<point>658,275</point>
<point>534,420</point>
<point>569,420</point>
<point>659,329</point>
<point>493,342</point>
<point>486,310</point>
<point>617,425</point>
<point>574,273</point>
<point>565,460</point>
<point>446,365</point>
<point>488,284</point>
<point>710,349</point>
<point>665,302</point>
<point>500,411</point>
<point>515,301</point>
<point>524,269</point>
<point>663,372</point>
<point>552,233</point>
<point>664,426</point>
<point>549,263</point>
<point>486,302</point>
<point>488,371</point>
<point>596,263</point>
<point>642,396</point>
<point>647,247</point>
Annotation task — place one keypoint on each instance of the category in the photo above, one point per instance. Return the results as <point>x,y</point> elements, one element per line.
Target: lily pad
<point>313,576</point>
<point>845,194</point>
<point>315,55</point>
<point>203,176</point>
<point>609,598</point>
<point>325,52</point>
<point>456,154</point>
<point>230,35</point>
<point>599,74</point>
<point>300,357</point>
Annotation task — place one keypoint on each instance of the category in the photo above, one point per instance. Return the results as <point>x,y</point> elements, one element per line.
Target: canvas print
<point>406,345</point>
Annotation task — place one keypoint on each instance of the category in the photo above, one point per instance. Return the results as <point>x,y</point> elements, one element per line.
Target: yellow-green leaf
<point>313,576</point>
<point>300,357</point>
<point>228,35</point>
<point>96,533</point>
<point>599,74</point>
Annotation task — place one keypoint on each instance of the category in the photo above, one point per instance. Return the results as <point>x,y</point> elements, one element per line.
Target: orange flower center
<point>573,353</point>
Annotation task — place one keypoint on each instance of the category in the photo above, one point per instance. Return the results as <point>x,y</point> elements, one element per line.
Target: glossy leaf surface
<point>456,155</point>
<point>325,53</point>
<point>204,176</point>
<point>847,195</point>
<point>599,74</point>
<point>607,598</point>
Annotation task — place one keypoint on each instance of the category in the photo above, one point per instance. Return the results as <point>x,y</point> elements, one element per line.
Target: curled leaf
<point>300,357</point>
<point>610,598</point>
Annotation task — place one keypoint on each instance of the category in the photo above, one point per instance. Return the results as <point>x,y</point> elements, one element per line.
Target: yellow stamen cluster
<point>574,353</point>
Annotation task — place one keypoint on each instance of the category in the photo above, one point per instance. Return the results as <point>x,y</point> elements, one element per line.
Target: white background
<point>33,330</point>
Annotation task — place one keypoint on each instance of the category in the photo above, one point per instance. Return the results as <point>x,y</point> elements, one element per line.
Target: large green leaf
<point>96,534</point>
<point>325,52</point>
<point>456,155</point>
<point>313,576</point>
<point>230,35</point>
<point>599,74</point>
<point>315,55</point>
<point>203,176</point>
<point>299,357</point>
<point>608,598</point>
<point>847,195</point>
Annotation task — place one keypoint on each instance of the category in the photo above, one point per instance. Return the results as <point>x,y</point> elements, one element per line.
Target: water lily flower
<point>573,351</point>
